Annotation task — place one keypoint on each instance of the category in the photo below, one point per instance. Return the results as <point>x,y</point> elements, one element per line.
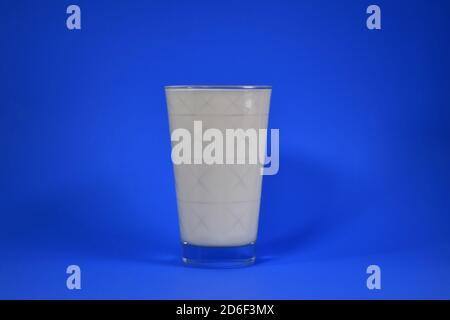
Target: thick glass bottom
<point>218,257</point>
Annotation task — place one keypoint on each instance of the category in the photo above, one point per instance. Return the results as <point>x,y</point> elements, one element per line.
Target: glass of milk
<point>217,132</point>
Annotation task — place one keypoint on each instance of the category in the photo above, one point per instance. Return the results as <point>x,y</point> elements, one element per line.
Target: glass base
<point>218,257</point>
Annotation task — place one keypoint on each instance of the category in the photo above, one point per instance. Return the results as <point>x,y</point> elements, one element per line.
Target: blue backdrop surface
<point>85,170</point>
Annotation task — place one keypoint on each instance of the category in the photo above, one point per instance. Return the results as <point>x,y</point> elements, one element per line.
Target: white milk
<point>218,204</point>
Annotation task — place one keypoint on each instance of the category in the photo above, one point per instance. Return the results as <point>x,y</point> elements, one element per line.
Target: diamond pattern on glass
<point>202,103</point>
<point>218,204</point>
<point>219,223</point>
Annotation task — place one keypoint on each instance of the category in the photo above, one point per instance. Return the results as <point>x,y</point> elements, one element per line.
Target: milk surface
<point>218,204</point>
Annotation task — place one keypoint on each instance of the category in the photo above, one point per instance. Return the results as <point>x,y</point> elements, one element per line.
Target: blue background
<point>85,170</point>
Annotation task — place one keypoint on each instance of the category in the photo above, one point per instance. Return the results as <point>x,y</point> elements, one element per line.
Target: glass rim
<point>218,87</point>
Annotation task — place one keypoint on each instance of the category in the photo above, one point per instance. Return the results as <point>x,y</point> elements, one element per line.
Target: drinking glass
<point>218,203</point>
